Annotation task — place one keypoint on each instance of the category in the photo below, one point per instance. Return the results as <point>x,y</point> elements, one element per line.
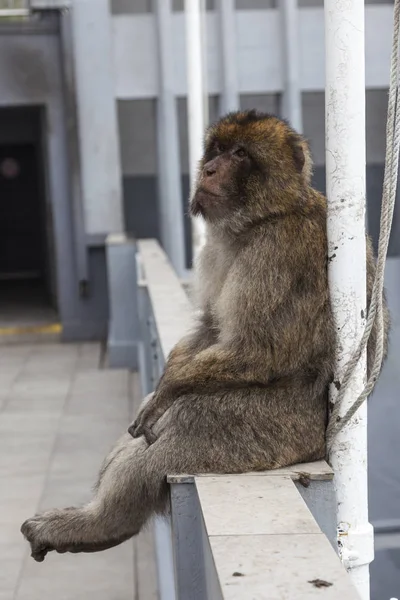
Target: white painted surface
<point>101,171</point>
<point>291,96</point>
<point>265,542</point>
<point>227,29</point>
<point>346,188</point>
<point>169,177</point>
<point>257,505</point>
<point>197,102</point>
<point>258,52</point>
<point>279,567</point>
<point>170,304</point>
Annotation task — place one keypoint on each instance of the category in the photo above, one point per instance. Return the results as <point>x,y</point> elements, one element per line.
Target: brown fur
<point>247,390</point>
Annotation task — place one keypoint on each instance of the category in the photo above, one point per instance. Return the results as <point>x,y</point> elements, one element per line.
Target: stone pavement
<point>60,413</point>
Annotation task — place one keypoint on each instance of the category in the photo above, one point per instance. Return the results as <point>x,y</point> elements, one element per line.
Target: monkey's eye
<point>220,148</point>
<point>240,152</point>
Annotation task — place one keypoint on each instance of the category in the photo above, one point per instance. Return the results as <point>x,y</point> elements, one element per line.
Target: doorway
<point>25,277</point>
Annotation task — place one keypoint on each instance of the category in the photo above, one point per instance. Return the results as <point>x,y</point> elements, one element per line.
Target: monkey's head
<point>254,166</point>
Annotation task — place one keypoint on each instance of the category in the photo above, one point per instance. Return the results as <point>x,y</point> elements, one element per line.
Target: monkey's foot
<point>39,531</point>
<point>54,530</point>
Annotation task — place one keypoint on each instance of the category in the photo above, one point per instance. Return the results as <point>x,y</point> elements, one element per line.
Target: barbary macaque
<point>247,389</point>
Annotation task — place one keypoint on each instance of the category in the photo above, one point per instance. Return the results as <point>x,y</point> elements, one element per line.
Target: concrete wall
<point>137,109</point>
<point>31,73</point>
<point>138,151</point>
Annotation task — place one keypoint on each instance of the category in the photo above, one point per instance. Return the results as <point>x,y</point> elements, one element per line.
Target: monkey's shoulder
<point>295,237</point>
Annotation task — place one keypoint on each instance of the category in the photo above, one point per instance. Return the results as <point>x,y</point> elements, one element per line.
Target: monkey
<point>247,389</point>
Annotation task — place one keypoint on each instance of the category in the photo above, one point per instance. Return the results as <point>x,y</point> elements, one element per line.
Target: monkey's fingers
<point>145,422</point>
<point>149,435</point>
<point>137,430</point>
<point>133,429</point>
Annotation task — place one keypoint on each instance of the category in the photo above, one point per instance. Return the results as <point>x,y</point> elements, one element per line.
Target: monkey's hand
<point>149,435</point>
<point>213,369</point>
<point>149,413</point>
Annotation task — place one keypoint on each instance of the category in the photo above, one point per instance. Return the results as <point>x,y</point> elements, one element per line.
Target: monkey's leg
<point>121,505</point>
<point>192,437</point>
<point>231,432</point>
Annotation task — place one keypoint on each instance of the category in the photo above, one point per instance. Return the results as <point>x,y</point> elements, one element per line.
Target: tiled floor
<point>59,415</point>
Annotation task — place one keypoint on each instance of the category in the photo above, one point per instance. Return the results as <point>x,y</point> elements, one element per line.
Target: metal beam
<point>170,188</point>
<point>291,108</point>
<point>97,114</point>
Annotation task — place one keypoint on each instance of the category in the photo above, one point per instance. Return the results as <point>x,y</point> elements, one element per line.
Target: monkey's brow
<point>227,143</point>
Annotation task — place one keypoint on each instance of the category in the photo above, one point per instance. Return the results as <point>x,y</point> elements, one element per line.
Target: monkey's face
<point>222,179</point>
<point>252,163</point>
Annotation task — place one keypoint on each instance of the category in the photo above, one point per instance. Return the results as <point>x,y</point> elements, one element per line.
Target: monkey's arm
<point>262,322</point>
<point>213,369</point>
<point>204,336</point>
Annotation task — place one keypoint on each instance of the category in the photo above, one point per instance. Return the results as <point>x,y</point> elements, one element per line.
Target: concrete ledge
<point>240,537</point>
<point>318,470</point>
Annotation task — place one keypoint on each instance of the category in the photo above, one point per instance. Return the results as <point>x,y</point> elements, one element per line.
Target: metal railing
<point>256,535</point>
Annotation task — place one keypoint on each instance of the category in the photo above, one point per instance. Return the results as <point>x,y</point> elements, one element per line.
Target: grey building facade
<point>79,88</point>
<point>53,225</point>
<point>80,158</point>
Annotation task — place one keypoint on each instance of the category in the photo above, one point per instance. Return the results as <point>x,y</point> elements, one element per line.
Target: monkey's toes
<point>31,531</point>
<point>38,553</point>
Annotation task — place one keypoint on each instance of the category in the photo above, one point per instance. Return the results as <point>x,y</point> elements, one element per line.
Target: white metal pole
<point>170,191</point>
<point>291,96</point>
<point>345,173</point>
<point>197,105</point>
<point>227,28</point>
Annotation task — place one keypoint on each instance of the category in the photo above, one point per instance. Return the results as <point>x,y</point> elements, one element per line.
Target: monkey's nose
<point>210,168</point>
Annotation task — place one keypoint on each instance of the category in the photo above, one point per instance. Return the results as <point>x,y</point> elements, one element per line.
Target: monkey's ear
<point>298,155</point>
<point>302,158</point>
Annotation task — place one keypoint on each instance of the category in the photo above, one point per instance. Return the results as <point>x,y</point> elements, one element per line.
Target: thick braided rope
<point>375,313</point>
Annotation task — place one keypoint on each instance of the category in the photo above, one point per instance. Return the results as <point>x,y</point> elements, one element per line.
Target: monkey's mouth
<point>203,202</point>
<point>207,192</point>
